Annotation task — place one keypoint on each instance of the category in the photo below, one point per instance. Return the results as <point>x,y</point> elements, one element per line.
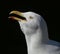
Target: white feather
<point>36,34</point>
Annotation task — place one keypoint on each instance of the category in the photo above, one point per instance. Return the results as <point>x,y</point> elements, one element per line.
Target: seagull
<point>35,30</point>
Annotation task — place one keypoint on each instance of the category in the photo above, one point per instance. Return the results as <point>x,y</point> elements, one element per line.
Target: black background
<point>16,40</point>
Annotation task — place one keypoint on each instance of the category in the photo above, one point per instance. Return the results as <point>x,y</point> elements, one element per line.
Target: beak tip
<point>10,13</point>
<point>9,17</point>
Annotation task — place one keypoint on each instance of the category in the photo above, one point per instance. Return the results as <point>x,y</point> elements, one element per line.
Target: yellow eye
<point>31,17</point>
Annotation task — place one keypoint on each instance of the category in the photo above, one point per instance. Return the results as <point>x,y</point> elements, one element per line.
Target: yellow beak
<point>17,13</point>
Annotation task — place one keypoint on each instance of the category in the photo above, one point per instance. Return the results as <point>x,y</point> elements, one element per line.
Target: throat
<point>36,41</point>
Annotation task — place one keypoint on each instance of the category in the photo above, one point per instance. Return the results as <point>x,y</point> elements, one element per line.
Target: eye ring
<point>31,17</point>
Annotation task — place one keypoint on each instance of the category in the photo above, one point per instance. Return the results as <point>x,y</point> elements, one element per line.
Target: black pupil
<point>18,16</point>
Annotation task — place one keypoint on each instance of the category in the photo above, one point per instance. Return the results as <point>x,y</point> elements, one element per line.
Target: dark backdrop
<point>16,41</point>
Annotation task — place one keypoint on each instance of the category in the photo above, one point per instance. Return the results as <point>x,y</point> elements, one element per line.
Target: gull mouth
<point>16,15</point>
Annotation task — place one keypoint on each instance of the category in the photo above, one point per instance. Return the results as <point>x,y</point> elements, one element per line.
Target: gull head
<point>29,21</point>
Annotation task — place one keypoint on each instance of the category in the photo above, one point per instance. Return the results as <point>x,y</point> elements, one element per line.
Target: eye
<point>31,17</point>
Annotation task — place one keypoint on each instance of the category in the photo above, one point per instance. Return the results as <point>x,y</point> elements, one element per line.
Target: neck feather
<point>36,40</point>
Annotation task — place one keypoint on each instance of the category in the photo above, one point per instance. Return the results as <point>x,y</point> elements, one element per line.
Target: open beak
<point>16,15</point>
